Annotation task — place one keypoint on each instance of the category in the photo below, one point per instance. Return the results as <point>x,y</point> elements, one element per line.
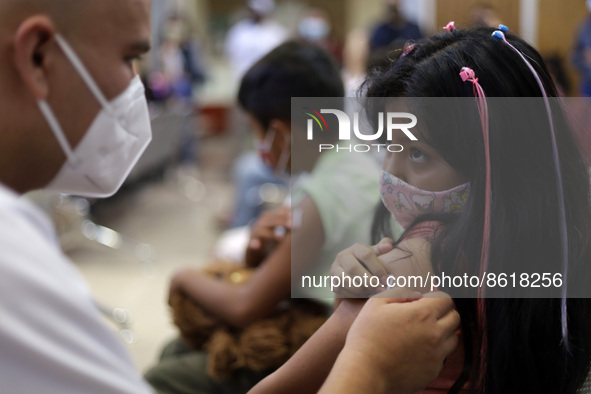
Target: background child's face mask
<point>264,148</point>
<point>406,202</point>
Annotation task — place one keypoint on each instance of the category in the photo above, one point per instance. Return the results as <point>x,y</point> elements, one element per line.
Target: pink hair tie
<point>467,74</point>
<point>451,26</point>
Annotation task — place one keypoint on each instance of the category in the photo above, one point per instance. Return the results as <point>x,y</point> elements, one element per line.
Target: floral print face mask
<point>406,202</point>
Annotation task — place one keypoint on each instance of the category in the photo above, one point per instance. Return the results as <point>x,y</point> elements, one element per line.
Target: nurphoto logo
<point>394,123</point>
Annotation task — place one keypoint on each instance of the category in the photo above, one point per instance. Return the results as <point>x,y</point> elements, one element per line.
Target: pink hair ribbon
<point>500,36</point>
<point>468,75</point>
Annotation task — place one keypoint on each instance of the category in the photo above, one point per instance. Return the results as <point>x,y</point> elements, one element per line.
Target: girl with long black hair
<point>516,345</point>
<point>522,205</point>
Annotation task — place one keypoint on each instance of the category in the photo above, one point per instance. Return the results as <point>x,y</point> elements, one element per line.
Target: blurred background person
<point>390,36</point>
<point>251,38</point>
<point>484,15</point>
<point>355,59</point>
<point>395,30</point>
<point>174,83</point>
<point>582,53</point>
<point>179,63</point>
<point>315,27</point>
<point>246,42</point>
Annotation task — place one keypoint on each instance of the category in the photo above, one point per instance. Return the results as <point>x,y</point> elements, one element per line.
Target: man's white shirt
<point>52,336</point>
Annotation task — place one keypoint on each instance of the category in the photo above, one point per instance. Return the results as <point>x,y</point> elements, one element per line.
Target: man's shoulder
<point>21,218</point>
<point>27,238</point>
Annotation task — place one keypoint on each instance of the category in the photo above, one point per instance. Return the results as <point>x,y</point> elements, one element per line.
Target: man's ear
<point>30,53</point>
<point>283,128</point>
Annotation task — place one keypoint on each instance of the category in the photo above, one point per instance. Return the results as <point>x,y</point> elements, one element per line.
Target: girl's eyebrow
<point>422,144</point>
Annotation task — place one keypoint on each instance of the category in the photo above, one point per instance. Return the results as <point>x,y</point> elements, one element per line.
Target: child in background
<point>519,229</point>
<point>293,69</point>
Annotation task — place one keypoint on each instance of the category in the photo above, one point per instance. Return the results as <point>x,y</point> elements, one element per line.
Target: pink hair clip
<point>451,26</point>
<point>467,74</point>
<point>408,48</point>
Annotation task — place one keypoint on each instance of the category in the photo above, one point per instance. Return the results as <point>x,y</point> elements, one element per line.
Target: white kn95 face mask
<point>111,146</point>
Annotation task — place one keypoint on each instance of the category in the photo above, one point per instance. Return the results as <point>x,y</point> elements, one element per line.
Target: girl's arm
<point>241,305</point>
<point>420,335</point>
<point>307,369</point>
<point>365,360</point>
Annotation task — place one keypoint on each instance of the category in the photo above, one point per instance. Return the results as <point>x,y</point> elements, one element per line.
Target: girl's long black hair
<point>524,352</point>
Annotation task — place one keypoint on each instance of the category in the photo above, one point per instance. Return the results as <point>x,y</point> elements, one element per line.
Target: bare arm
<point>422,335</point>
<point>308,235</point>
<point>307,369</point>
<point>240,305</point>
<point>268,231</point>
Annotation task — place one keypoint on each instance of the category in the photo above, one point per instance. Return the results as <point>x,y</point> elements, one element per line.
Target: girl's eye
<point>417,155</point>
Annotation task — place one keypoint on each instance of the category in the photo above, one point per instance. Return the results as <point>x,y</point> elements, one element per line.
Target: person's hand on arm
<point>381,265</point>
<point>361,261</point>
<point>397,345</point>
<point>307,369</point>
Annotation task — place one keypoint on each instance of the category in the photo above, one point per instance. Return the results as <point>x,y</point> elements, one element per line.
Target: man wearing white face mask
<point>73,119</point>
